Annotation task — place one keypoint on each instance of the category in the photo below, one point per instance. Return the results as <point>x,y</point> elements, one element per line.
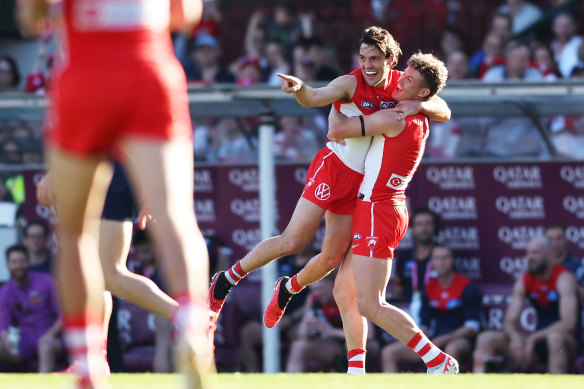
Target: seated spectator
<point>524,14</point>
<point>451,40</point>
<point>490,55</point>
<point>450,314</point>
<point>248,71</point>
<point>35,239</point>
<point>543,60</point>
<point>320,336</point>
<point>234,145</point>
<point>9,74</point>
<point>277,61</point>
<point>292,142</point>
<point>552,291</point>
<point>29,303</point>
<point>457,65</point>
<point>203,65</point>
<point>556,233</point>
<point>502,25</point>
<point>566,43</point>
<point>517,136</point>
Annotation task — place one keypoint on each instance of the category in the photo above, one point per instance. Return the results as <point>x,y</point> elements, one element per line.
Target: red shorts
<point>92,108</point>
<point>378,227</point>
<point>331,184</point>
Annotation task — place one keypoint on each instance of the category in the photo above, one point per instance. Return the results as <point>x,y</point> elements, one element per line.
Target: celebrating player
<point>333,176</point>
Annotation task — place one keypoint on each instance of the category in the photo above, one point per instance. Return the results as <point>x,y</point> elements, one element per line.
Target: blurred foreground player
<point>133,99</point>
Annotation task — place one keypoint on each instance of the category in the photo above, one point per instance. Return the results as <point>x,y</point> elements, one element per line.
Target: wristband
<point>362,125</point>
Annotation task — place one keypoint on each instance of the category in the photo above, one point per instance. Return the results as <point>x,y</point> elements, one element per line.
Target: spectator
<point>524,14</point>
<point>203,63</point>
<point>457,65</point>
<point>556,233</point>
<point>450,314</point>
<point>502,25</point>
<point>256,37</point>
<point>490,55</point>
<point>9,74</point>
<point>320,335</point>
<point>248,71</point>
<point>277,61</point>
<point>566,43</point>
<point>412,267</point>
<point>11,152</point>
<point>35,239</point>
<point>234,144</point>
<point>29,303</point>
<point>315,58</point>
<point>518,136</point>
<point>284,25</point>
<point>552,291</point>
<point>543,60</point>
<point>451,40</point>
<point>292,142</point>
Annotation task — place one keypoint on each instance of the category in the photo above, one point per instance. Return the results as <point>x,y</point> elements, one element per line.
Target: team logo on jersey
<point>368,104</point>
<point>398,182</point>
<point>322,192</point>
<point>371,241</point>
<point>387,104</point>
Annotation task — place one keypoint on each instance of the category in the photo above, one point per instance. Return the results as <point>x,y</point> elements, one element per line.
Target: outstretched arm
<point>341,88</point>
<point>435,108</point>
<point>385,121</point>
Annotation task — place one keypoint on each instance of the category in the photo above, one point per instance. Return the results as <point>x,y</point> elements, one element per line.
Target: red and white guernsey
<point>366,100</point>
<point>392,161</point>
<point>116,76</point>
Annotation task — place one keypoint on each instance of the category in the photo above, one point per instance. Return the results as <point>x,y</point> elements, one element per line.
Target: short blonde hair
<point>432,70</point>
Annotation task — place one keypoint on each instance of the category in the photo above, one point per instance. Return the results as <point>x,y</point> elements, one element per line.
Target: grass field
<point>312,381</point>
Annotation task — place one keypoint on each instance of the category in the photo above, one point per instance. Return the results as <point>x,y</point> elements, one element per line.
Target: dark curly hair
<point>383,40</point>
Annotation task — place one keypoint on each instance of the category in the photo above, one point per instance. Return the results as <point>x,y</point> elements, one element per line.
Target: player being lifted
<point>338,168</point>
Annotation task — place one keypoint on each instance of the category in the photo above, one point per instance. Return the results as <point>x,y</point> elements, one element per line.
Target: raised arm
<point>341,88</point>
<point>435,108</point>
<point>386,121</point>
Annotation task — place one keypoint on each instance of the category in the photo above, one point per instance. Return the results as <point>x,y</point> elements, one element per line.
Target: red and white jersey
<point>366,100</point>
<point>391,162</point>
<point>121,31</point>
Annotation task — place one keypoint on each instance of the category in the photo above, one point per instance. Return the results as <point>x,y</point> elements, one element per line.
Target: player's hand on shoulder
<point>408,108</point>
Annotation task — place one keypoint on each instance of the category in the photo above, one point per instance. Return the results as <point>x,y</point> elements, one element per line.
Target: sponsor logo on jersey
<point>247,209</point>
<point>398,182</point>
<point>518,236</point>
<point>452,177</point>
<point>521,207</point>
<point>203,181</point>
<point>460,238</point>
<point>575,205</point>
<point>573,174</point>
<point>322,192</point>
<point>454,207</point>
<point>387,104</point>
<point>205,210</point>
<point>519,177</point>
<point>356,236</point>
<point>368,104</point>
<point>246,179</point>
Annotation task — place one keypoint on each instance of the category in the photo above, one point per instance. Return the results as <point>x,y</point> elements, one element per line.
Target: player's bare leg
<point>394,353</point>
<point>78,271</point>
<point>489,344</point>
<point>114,246</point>
<point>300,230</point>
<point>164,173</point>
<point>337,239</point>
<point>371,278</point>
<point>354,325</point>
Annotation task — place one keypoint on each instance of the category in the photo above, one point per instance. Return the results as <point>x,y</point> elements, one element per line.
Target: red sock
<point>293,286</point>
<point>430,354</point>
<point>356,359</point>
<point>235,273</point>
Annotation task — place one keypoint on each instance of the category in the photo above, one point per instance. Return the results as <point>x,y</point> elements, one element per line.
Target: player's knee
<point>331,260</point>
<point>291,244</point>
<point>556,341</point>
<point>343,297</point>
<point>368,308</point>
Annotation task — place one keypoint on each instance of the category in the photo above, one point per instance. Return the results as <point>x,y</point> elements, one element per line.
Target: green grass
<point>312,381</point>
